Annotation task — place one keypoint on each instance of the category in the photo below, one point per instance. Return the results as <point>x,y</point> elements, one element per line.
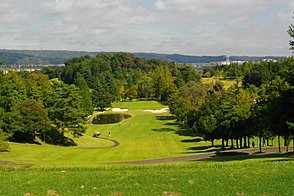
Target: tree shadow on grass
<point>203,149</point>
<point>192,140</point>
<point>55,137</point>
<point>165,118</point>
<point>164,130</point>
<point>197,148</point>
<point>184,130</point>
<point>239,156</point>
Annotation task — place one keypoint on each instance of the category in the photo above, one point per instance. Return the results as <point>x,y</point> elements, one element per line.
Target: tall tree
<point>64,108</point>
<point>291,34</point>
<point>162,83</point>
<point>4,146</point>
<point>38,86</point>
<point>32,120</point>
<point>85,93</point>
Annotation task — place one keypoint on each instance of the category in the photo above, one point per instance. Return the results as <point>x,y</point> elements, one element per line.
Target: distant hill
<point>44,57</point>
<point>36,57</point>
<point>201,59</point>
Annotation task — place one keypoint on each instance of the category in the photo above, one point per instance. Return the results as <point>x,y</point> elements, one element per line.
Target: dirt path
<point>198,157</point>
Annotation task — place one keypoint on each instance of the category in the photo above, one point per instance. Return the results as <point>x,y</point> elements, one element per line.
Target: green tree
<point>132,92</point>
<point>32,120</point>
<point>85,93</point>
<point>64,108</point>
<point>12,93</point>
<point>291,34</point>
<point>145,88</point>
<point>4,146</point>
<point>162,83</point>
<point>38,86</point>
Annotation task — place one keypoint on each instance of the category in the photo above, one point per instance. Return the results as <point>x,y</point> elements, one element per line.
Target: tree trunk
<point>212,142</point>
<point>227,142</point>
<point>267,141</point>
<point>248,142</point>
<point>286,144</point>
<point>293,144</point>
<point>237,143</point>
<point>241,142</point>
<point>223,143</point>
<point>260,139</point>
<point>279,143</point>
<point>232,143</point>
<point>245,144</point>
<point>44,137</point>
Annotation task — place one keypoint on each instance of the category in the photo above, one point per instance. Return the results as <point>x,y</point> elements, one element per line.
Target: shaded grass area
<point>195,178</point>
<point>240,156</point>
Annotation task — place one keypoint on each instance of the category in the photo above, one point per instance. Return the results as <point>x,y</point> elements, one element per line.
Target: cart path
<point>198,157</point>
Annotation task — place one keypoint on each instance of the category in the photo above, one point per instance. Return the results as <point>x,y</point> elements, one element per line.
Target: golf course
<point>146,154</point>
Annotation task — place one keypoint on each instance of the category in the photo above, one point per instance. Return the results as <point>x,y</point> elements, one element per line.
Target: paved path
<point>236,152</point>
<point>198,157</point>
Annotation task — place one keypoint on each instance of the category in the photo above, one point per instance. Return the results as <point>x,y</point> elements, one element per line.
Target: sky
<point>191,27</point>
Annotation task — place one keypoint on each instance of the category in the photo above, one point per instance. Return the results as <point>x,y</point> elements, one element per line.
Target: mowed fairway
<point>196,178</point>
<point>80,170</point>
<point>143,136</point>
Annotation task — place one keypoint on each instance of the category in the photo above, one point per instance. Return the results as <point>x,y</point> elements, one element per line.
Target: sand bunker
<point>119,110</point>
<point>163,110</point>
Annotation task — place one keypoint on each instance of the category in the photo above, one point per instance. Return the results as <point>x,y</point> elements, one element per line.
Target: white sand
<point>119,110</point>
<point>163,110</point>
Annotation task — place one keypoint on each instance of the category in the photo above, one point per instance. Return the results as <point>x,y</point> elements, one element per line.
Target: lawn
<point>143,136</point>
<point>82,170</point>
<point>195,178</point>
<point>227,82</point>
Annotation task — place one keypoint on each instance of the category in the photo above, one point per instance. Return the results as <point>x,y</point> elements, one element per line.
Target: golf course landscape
<point>117,164</point>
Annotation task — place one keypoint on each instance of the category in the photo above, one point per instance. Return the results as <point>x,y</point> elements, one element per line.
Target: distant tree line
<point>122,76</point>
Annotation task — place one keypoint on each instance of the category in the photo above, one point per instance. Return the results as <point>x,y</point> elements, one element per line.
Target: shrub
<point>4,146</point>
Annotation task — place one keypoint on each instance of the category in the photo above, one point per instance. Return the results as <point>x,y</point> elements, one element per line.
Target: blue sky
<point>193,27</point>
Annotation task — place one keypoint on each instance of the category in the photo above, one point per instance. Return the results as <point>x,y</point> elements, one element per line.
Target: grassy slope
<point>148,138</point>
<point>143,136</point>
<point>196,178</point>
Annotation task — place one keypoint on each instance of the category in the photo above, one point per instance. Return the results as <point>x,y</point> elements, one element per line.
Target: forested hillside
<point>44,57</point>
<point>56,100</point>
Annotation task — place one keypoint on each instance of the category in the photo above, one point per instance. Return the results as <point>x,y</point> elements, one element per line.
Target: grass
<point>227,82</point>
<point>143,136</point>
<point>75,171</point>
<point>194,178</point>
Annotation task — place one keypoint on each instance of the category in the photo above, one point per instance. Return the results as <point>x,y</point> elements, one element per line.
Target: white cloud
<point>170,26</point>
<point>292,6</point>
<point>15,14</point>
<point>160,5</point>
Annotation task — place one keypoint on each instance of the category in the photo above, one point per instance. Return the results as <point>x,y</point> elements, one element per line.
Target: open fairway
<point>83,170</point>
<point>143,136</point>
<point>194,178</point>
